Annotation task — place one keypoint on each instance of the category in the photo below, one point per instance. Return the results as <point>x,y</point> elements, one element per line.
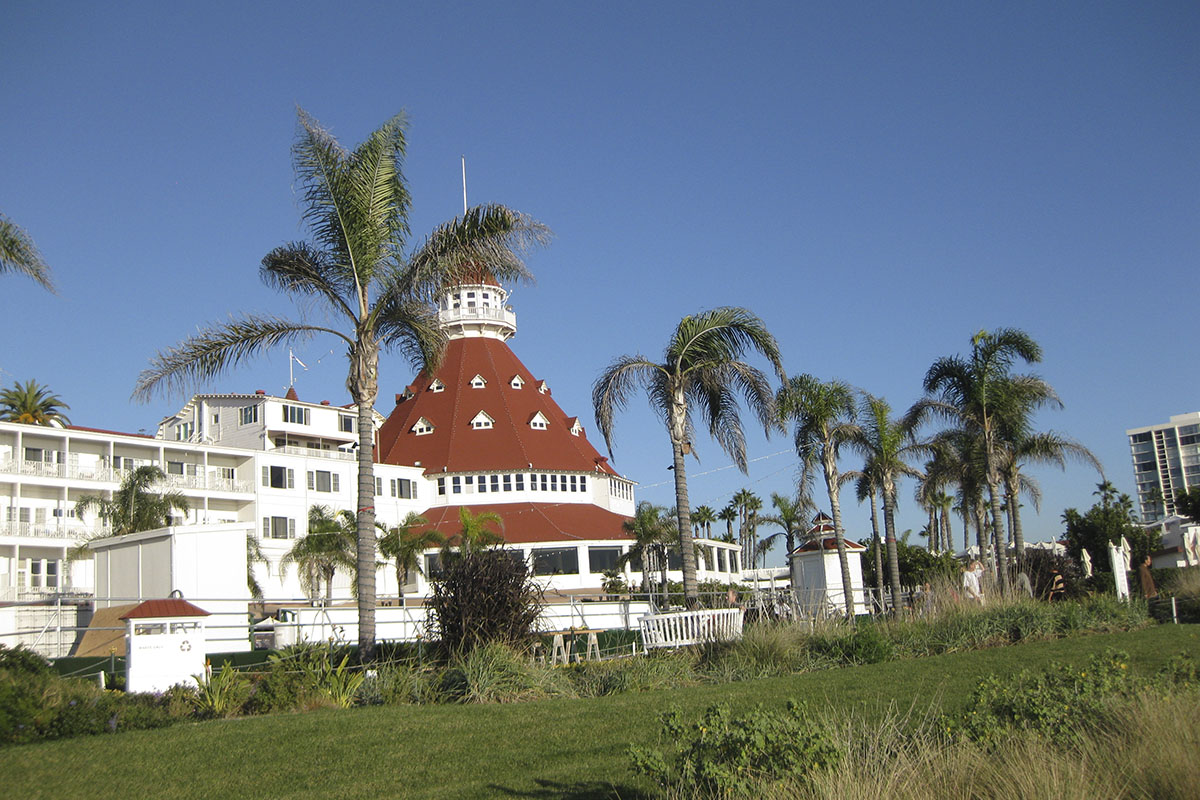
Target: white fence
<point>691,627</point>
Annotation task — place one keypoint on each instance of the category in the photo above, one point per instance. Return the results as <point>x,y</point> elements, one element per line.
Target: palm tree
<point>1023,447</point>
<point>981,394</point>
<point>866,487</point>
<point>728,515</point>
<point>703,518</point>
<point>327,547</point>
<point>823,414</point>
<point>405,544</point>
<point>255,555</point>
<point>887,444</point>
<point>790,516</point>
<point>134,506</point>
<point>359,271</point>
<point>701,369</point>
<point>474,533</point>
<point>18,253</point>
<point>33,404</point>
<point>651,533</point>
<point>748,504</point>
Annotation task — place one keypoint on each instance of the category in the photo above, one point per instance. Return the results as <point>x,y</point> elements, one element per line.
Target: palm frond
<point>215,350</point>
<point>301,268</point>
<point>19,254</point>
<point>616,384</point>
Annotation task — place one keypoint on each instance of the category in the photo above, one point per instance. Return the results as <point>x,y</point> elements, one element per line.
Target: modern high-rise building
<point>1166,460</point>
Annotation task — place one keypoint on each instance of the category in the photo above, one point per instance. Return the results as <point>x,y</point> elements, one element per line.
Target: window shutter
<point>336,486</point>
<point>266,476</point>
<point>266,527</point>
<point>291,479</point>
<point>379,487</point>
<point>291,529</point>
<point>312,480</point>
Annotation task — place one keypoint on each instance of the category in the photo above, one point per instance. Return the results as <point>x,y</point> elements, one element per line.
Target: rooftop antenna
<point>464,171</point>
<point>292,361</point>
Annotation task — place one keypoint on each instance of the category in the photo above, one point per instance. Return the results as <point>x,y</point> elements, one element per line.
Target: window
<point>539,422</point>
<point>478,382</point>
<point>520,481</point>
<point>469,480</point>
<point>483,484</point>
<point>403,487</point>
<point>574,486</point>
<point>495,483</point>
<point>433,565</point>
<point>441,487</point>
<point>345,423</point>
<point>184,432</point>
<point>583,483</point>
<point>508,483</point>
<point>422,427</point>
<point>576,428</point>
<point>295,415</point>
<point>279,528</point>
<point>674,559</point>
<point>174,467</point>
<point>378,487</point>
<point>545,483</point>
<point>247,415</point>
<point>722,560</point>
<point>517,382</point>
<point>734,562</point>
<point>481,421</point>
<point>322,481</point>
<point>437,386</point>
<point>456,483</point>
<point>554,483</point>
<point>602,559</point>
<point>278,477</point>
<point>556,561</point>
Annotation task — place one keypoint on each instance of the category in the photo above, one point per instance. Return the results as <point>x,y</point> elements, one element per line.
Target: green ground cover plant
<point>560,747</point>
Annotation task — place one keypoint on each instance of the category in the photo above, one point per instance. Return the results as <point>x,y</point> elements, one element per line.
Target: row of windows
<point>400,487</point>
<point>324,481</point>
<point>565,560</point>
<point>482,484</point>
<point>620,488</point>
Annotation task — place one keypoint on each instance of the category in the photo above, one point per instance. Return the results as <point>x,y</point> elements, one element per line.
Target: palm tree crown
<point>405,543</point>
<point>18,253</point>
<point>701,371</point>
<point>359,269</point>
<point>32,404</point>
<point>135,506</point>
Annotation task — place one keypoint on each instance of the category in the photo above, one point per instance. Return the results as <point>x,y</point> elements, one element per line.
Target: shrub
<point>862,644</point>
<point>724,755</point>
<point>494,673</point>
<point>22,659</point>
<point>483,596</point>
<point>220,694</point>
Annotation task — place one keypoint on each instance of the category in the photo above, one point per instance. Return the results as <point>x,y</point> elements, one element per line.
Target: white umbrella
<point>1126,553</point>
<point>1087,564</point>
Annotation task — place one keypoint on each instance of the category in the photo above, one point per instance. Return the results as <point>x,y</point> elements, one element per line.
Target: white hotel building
<point>482,431</point>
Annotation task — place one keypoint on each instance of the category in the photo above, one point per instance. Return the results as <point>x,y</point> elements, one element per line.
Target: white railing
<point>681,628</point>
<point>312,452</point>
<point>478,312</point>
<point>41,530</point>
<point>106,474</point>
<point>209,482</point>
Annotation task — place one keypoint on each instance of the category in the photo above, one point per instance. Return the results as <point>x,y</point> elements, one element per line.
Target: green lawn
<point>548,749</point>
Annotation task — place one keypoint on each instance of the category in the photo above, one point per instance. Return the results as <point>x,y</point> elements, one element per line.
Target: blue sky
<point>877,181</point>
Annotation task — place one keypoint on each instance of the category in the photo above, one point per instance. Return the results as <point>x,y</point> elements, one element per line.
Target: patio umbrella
<point>1087,564</point>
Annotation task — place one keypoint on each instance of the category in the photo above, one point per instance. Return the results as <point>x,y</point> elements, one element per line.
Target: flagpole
<point>464,173</point>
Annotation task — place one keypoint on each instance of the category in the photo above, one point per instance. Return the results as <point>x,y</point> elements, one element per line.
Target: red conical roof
<point>516,439</point>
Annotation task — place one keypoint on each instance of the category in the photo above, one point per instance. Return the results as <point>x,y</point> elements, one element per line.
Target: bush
<point>724,755</point>
<point>481,597</point>
<point>862,644</point>
<point>220,694</point>
<point>494,673</point>
<point>22,659</point>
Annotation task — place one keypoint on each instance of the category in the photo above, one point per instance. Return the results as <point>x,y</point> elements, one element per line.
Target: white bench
<point>680,628</point>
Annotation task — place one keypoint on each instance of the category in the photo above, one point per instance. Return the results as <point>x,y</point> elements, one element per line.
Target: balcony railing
<point>105,474</point>
<point>478,312</point>
<point>49,530</point>
<point>312,452</point>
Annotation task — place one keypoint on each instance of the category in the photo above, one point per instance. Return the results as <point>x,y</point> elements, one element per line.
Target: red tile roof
<point>532,523</point>
<point>511,444</point>
<point>169,607</point>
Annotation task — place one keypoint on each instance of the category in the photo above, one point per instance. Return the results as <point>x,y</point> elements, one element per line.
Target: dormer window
<point>422,427</point>
<point>478,382</point>
<point>539,422</point>
<point>576,428</point>
<point>437,386</point>
<point>517,382</point>
<point>543,388</point>
<point>482,421</point>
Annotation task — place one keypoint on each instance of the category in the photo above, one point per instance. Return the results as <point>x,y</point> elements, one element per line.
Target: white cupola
<point>477,308</point>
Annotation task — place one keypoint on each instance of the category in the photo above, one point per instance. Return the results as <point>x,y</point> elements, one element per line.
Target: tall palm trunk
<point>998,536</point>
<point>965,508</point>
<point>875,540</point>
<point>1018,535</point>
<point>687,550</point>
<point>947,531</point>
<point>934,544</point>
<point>889,524</point>
<point>364,387</point>
<point>839,535</point>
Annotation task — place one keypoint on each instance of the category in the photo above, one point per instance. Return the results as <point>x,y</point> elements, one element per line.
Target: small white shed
<point>817,576</point>
<point>164,644</point>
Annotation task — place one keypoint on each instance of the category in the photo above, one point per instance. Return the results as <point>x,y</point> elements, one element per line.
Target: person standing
<point>972,587</point>
<point>1149,590</point>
